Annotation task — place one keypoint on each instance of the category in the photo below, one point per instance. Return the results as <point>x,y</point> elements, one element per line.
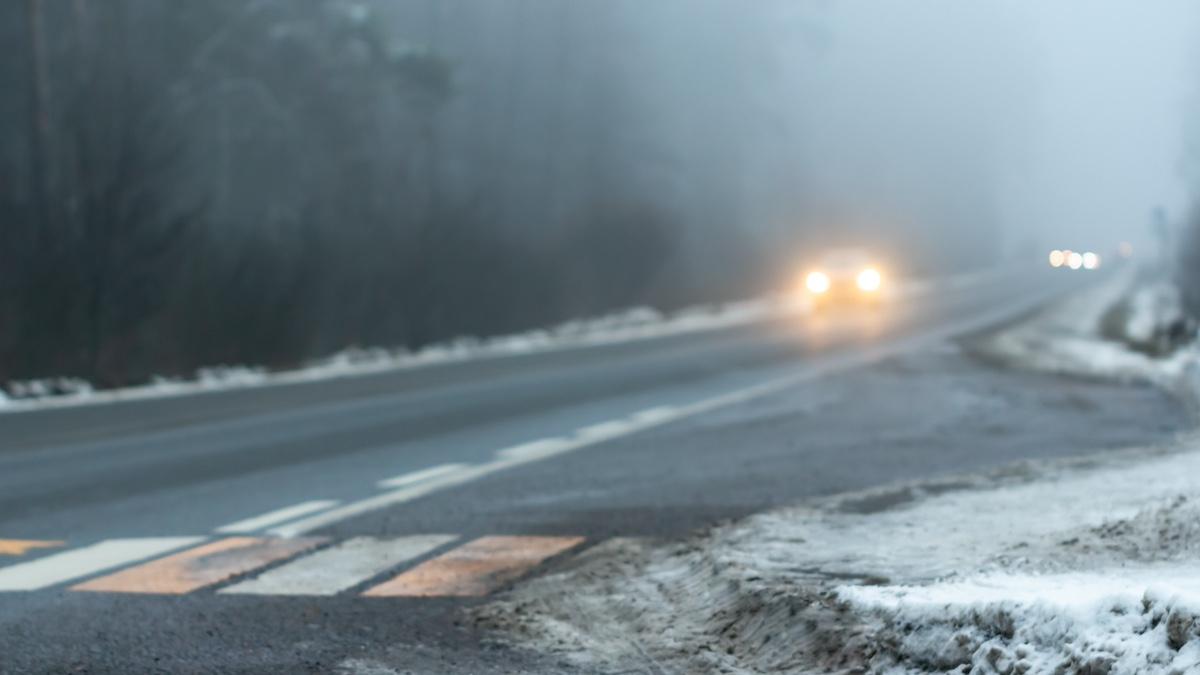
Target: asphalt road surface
<point>343,525</point>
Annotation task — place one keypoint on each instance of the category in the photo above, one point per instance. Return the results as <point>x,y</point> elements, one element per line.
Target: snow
<point>1065,337</point>
<point>1087,565</point>
<point>634,324</point>
<point>640,323</point>
<point>1121,619</point>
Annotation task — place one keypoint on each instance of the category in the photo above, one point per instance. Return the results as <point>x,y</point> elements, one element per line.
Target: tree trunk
<point>39,117</point>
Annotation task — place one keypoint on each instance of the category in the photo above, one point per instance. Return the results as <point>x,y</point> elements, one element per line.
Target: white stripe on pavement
<point>277,516</point>
<point>605,431</point>
<point>335,569</point>
<point>82,562</point>
<point>419,476</point>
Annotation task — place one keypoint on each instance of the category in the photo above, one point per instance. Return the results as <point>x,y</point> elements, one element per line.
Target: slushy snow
<point>1087,565</point>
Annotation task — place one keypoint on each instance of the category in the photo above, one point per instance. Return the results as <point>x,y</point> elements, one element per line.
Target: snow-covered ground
<point>1078,566</point>
<point>634,324</point>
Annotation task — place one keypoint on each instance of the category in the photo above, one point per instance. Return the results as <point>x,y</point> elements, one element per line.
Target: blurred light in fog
<point>1125,249</point>
<point>1057,258</point>
<point>817,282</point>
<point>869,280</point>
<point>1074,260</point>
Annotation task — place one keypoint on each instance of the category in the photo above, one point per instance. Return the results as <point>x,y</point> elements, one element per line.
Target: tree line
<point>228,182</point>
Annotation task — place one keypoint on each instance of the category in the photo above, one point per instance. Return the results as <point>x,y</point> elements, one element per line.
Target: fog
<point>268,181</point>
<point>1118,88</point>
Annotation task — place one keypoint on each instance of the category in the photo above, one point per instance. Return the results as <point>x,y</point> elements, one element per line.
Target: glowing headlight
<point>1074,260</point>
<point>1057,258</point>
<point>817,282</point>
<point>869,280</point>
<point>1091,261</point>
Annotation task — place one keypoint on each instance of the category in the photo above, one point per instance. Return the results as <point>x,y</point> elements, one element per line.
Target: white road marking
<point>539,449</point>
<point>419,476</point>
<point>654,414</point>
<point>606,431</point>
<point>335,569</point>
<point>277,516</point>
<point>81,562</point>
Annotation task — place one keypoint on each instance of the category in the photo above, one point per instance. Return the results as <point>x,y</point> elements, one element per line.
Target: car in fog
<point>844,276</point>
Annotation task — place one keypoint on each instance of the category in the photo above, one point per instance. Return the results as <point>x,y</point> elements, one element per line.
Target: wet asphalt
<point>188,465</point>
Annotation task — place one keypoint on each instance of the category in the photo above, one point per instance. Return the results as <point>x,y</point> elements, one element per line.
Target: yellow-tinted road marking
<point>23,546</point>
<point>201,566</point>
<point>476,568</point>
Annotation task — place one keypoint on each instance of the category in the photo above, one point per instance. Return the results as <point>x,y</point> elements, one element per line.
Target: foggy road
<point>453,480</point>
<point>69,473</point>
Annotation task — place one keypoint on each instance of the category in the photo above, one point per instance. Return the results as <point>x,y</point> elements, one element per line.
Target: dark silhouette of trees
<point>192,184</point>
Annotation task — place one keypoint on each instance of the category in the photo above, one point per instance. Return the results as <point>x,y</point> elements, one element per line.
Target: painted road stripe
<point>474,569</point>
<point>277,516</point>
<point>81,562</point>
<point>420,476</point>
<point>198,567</point>
<point>335,569</point>
<point>546,448</point>
<point>23,546</point>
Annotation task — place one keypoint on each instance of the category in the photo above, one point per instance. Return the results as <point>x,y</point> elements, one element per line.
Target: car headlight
<point>869,280</point>
<point>817,282</point>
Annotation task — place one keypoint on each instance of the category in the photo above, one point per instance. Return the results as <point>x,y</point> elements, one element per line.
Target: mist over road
<point>504,465</point>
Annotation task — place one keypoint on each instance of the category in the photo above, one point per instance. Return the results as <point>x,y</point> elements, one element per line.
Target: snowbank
<point>1123,620</point>
<point>1091,334</point>
<point>634,324</point>
<point>1073,566</point>
<point>639,323</point>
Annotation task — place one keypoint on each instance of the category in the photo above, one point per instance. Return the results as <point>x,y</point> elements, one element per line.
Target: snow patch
<point>639,323</point>
<point>1066,337</point>
<point>1119,620</point>
<point>1071,566</point>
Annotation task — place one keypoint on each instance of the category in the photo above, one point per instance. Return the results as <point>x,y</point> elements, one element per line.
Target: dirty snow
<point>1072,566</point>
<point>639,323</point>
<point>634,324</point>
<point>1065,337</point>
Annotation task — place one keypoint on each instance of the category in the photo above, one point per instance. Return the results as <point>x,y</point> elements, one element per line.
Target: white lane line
<point>419,476</point>
<point>277,516</point>
<point>599,433</point>
<point>654,414</point>
<point>606,430</point>
<point>56,569</point>
<point>335,569</point>
<point>539,449</point>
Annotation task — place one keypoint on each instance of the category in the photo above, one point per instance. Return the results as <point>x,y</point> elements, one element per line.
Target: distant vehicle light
<point>1125,249</point>
<point>1057,258</point>
<point>817,282</point>
<point>869,280</point>
<point>1091,261</point>
<point>1074,260</point>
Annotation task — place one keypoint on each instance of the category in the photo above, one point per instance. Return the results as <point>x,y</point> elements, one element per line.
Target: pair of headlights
<point>869,280</point>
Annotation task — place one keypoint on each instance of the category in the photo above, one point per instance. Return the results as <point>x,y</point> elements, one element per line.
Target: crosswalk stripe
<point>81,562</point>
<point>476,568</point>
<point>23,546</point>
<point>277,516</point>
<point>201,566</point>
<point>335,569</point>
